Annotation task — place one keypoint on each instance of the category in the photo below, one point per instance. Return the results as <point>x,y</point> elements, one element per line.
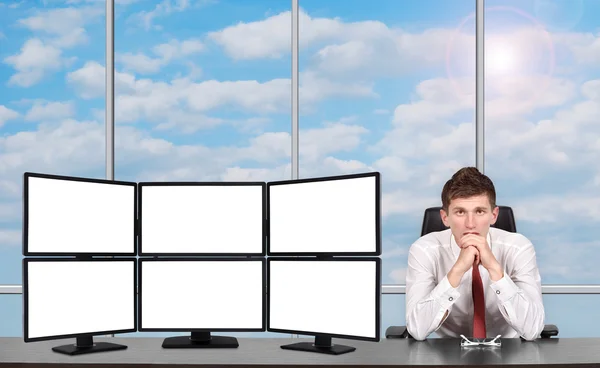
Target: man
<point>472,279</point>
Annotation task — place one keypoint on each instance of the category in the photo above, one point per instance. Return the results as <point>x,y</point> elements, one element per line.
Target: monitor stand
<point>200,340</point>
<point>86,345</point>
<point>322,344</point>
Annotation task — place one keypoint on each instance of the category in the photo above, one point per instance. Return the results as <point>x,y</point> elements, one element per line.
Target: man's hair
<point>468,182</point>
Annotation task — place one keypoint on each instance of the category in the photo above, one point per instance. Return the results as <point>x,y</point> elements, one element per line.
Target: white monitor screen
<point>202,295</point>
<point>66,216</point>
<point>75,297</point>
<point>202,219</point>
<point>329,216</point>
<point>327,297</point>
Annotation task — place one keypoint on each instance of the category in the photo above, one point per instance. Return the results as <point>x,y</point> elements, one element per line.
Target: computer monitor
<point>201,297</point>
<point>65,215</point>
<point>338,297</point>
<point>65,298</point>
<point>202,218</point>
<point>335,215</point>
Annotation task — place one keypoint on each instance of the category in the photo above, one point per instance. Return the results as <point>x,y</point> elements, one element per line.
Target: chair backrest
<point>432,221</point>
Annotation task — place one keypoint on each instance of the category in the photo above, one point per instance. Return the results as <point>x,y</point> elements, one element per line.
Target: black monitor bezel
<point>26,262</point>
<point>140,248</point>
<point>192,329</point>
<point>25,221</point>
<point>375,253</point>
<point>377,261</point>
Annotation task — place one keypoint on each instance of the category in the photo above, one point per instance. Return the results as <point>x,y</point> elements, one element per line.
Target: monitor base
<point>321,345</point>
<point>85,345</point>
<point>200,340</point>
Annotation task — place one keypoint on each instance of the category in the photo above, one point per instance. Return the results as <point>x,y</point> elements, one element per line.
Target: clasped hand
<point>474,251</point>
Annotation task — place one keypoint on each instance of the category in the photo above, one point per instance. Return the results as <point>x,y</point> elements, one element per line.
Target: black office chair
<point>432,221</point>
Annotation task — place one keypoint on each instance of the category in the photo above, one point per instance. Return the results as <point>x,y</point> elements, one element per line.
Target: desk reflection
<point>425,351</point>
<point>440,351</point>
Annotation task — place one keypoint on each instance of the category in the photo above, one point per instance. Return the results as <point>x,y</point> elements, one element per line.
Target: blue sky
<point>203,93</point>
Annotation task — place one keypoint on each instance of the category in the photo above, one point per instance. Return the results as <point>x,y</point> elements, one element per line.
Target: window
<point>389,88</point>
<point>45,125</point>
<point>202,93</point>
<point>541,129</point>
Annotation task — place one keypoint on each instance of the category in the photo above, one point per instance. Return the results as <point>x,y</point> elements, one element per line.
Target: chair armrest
<point>397,332</point>
<point>549,331</point>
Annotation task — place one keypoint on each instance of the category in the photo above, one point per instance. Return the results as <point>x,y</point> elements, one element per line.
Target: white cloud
<point>555,208</point>
<point>10,210</point>
<point>512,97</point>
<point>166,53</point>
<point>314,88</point>
<point>70,145</point>
<point>50,111</point>
<point>7,114</point>
<point>396,169</point>
<point>55,30</point>
<point>117,2</point>
<point>585,47</point>
<point>330,165</point>
<point>140,63</point>
<point>430,121</point>
<point>63,27</point>
<point>89,81</point>
<point>77,148</point>
<point>10,238</point>
<point>63,21</point>
<point>237,173</point>
<point>333,137</point>
<point>438,100</point>
<point>398,251</point>
<point>408,201</point>
<point>187,123</point>
<point>15,4</point>
<point>368,47</point>
<point>270,38</point>
<point>557,256</point>
<point>176,103</point>
<point>398,276</point>
<point>363,50</point>
<point>146,18</point>
<point>335,166</point>
<point>35,60</point>
<point>379,51</point>
<point>178,49</point>
<point>565,142</point>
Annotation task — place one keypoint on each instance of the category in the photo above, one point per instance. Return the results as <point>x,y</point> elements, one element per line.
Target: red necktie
<point>479,305</point>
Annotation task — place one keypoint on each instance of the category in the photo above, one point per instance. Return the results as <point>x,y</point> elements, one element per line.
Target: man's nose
<point>470,221</point>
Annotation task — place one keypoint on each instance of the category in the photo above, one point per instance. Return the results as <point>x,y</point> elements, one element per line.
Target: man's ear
<point>495,213</point>
<point>444,217</point>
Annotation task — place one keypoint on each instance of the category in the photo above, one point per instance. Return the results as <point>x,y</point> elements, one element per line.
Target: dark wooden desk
<point>266,352</point>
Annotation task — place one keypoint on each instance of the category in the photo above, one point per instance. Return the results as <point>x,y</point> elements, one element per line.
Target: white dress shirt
<point>513,304</point>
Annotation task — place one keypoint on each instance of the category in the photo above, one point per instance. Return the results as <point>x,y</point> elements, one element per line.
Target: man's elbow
<point>532,335</point>
<point>535,330</point>
<point>415,332</point>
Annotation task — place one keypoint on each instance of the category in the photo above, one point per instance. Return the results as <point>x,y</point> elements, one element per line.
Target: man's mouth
<point>471,232</point>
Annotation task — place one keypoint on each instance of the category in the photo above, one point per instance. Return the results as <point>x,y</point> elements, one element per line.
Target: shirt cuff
<point>445,293</point>
<point>504,288</point>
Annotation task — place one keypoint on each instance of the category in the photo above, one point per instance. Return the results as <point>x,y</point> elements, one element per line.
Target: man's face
<point>470,215</point>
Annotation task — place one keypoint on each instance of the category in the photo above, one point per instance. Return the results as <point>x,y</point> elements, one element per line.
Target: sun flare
<point>501,58</point>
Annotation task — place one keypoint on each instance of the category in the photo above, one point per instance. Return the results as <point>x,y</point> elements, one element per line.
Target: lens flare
<point>503,58</point>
